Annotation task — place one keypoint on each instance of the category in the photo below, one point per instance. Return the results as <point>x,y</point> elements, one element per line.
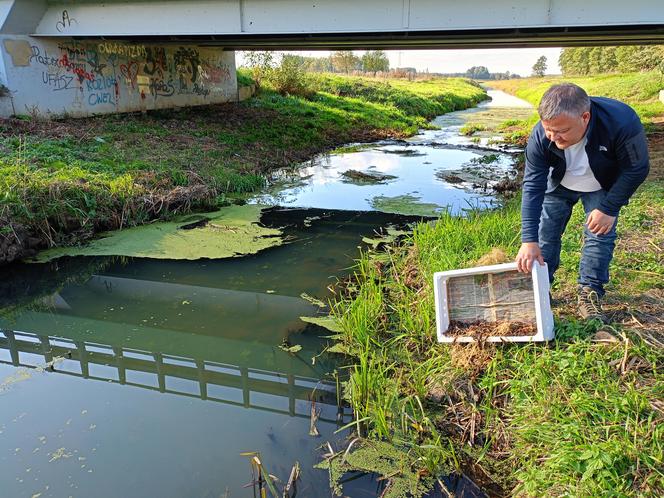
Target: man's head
<point>565,112</point>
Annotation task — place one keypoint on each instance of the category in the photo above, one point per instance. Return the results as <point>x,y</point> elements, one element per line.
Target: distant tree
<point>478,73</point>
<point>261,64</point>
<point>608,61</point>
<point>595,65</point>
<point>319,64</point>
<point>539,68</point>
<point>344,61</point>
<point>374,61</point>
<point>565,61</point>
<point>581,61</point>
<point>650,57</point>
<point>289,77</point>
<point>627,58</point>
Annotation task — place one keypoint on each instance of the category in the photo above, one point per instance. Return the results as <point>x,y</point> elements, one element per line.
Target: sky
<point>515,60</point>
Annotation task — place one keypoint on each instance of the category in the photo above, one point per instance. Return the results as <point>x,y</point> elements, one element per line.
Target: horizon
<point>514,60</point>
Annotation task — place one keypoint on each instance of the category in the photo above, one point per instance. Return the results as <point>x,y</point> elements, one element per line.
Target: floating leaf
<point>290,349</point>
<point>313,300</point>
<point>328,322</point>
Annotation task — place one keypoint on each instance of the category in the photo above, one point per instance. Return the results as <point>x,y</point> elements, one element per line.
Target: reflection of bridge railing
<point>206,380</point>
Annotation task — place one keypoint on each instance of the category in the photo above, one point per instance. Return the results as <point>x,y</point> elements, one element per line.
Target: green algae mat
<point>229,232</point>
<point>405,204</point>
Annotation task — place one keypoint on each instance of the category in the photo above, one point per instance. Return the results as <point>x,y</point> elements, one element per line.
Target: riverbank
<point>582,416</point>
<point>64,181</point>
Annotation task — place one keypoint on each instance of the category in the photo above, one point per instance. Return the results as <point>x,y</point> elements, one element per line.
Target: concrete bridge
<point>91,56</point>
<point>343,23</point>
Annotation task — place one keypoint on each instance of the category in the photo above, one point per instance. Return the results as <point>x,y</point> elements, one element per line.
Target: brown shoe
<point>590,305</point>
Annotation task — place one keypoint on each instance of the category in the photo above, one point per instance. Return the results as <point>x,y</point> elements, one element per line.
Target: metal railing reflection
<point>167,373</point>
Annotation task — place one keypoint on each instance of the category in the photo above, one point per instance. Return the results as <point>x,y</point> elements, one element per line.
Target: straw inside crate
<point>491,297</point>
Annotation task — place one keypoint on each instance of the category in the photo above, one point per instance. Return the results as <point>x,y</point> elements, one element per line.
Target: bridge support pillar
<point>67,77</point>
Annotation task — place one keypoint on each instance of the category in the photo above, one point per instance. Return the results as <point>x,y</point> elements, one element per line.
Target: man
<point>584,148</point>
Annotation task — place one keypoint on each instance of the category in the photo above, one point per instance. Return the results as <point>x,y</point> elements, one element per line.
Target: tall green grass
<point>561,419</point>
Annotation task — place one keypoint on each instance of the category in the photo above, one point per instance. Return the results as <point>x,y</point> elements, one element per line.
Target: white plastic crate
<point>485,281</point>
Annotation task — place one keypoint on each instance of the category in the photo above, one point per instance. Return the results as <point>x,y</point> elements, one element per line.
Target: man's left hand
<point>600,223</point>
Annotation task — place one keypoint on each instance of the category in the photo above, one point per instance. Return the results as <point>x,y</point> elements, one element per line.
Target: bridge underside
<point>494,38</point>
<point>340,24</point>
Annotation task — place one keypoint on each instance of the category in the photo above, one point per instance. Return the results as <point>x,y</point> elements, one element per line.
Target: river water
<point>140,377</point>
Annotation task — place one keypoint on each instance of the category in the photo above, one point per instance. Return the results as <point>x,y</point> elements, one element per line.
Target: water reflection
<point>167,373</point>
<point>421,167</point>
<point>172,368</point>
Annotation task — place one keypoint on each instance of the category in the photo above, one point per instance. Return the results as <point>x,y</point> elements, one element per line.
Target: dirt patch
<point>16,241</point>
<point>481,329</point>
<point>656,150</point>
<point>494,257</point>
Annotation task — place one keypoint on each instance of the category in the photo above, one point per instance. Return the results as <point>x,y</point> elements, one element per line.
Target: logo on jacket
<point>602,148</point>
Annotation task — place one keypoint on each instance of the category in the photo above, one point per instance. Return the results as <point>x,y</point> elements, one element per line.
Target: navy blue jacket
<point>617,153</point>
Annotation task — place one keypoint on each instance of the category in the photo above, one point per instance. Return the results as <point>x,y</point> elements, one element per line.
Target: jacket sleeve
<point>632,156</point>
<point>534,186</point>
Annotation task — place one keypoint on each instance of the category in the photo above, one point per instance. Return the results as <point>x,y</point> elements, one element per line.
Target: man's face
<point>566,130</point>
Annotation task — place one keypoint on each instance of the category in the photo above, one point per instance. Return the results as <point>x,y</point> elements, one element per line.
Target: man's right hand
<point>528,254</point>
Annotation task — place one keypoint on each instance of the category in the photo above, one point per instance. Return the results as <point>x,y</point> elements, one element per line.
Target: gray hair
<point>565,98</point>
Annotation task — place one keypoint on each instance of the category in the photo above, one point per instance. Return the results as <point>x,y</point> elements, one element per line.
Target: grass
<point>64,180</point>
<point>426,98</point>
<point>640,90</point>
<point>471,128</point>
<point>573,418</point>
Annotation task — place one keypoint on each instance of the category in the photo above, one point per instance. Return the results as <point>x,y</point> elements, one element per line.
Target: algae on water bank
<point>381,458</point>
<point>231,231</point>
<point>405,204</point>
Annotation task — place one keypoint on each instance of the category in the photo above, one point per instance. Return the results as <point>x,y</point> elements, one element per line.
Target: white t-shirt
<point>578,176</point>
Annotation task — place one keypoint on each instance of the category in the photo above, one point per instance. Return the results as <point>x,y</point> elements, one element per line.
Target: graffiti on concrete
<point>108,48</point>
<point>58,81</point>
<point>155,62</point>
<point>114,74</point>
<point>65,22</point>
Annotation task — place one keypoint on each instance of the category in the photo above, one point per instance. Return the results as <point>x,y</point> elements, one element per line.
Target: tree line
<point>624,59</point>
<point>345,61</point>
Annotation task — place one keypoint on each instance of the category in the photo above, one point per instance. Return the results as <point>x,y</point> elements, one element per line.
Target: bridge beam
<point>352,24</point>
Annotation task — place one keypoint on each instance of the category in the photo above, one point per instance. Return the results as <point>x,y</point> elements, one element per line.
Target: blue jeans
<point>597,249</point>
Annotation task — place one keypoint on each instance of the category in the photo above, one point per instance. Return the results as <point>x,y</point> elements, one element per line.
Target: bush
<point>290,78</point>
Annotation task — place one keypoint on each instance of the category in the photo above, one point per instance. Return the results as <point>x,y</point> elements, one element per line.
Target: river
<point>139,377</point>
